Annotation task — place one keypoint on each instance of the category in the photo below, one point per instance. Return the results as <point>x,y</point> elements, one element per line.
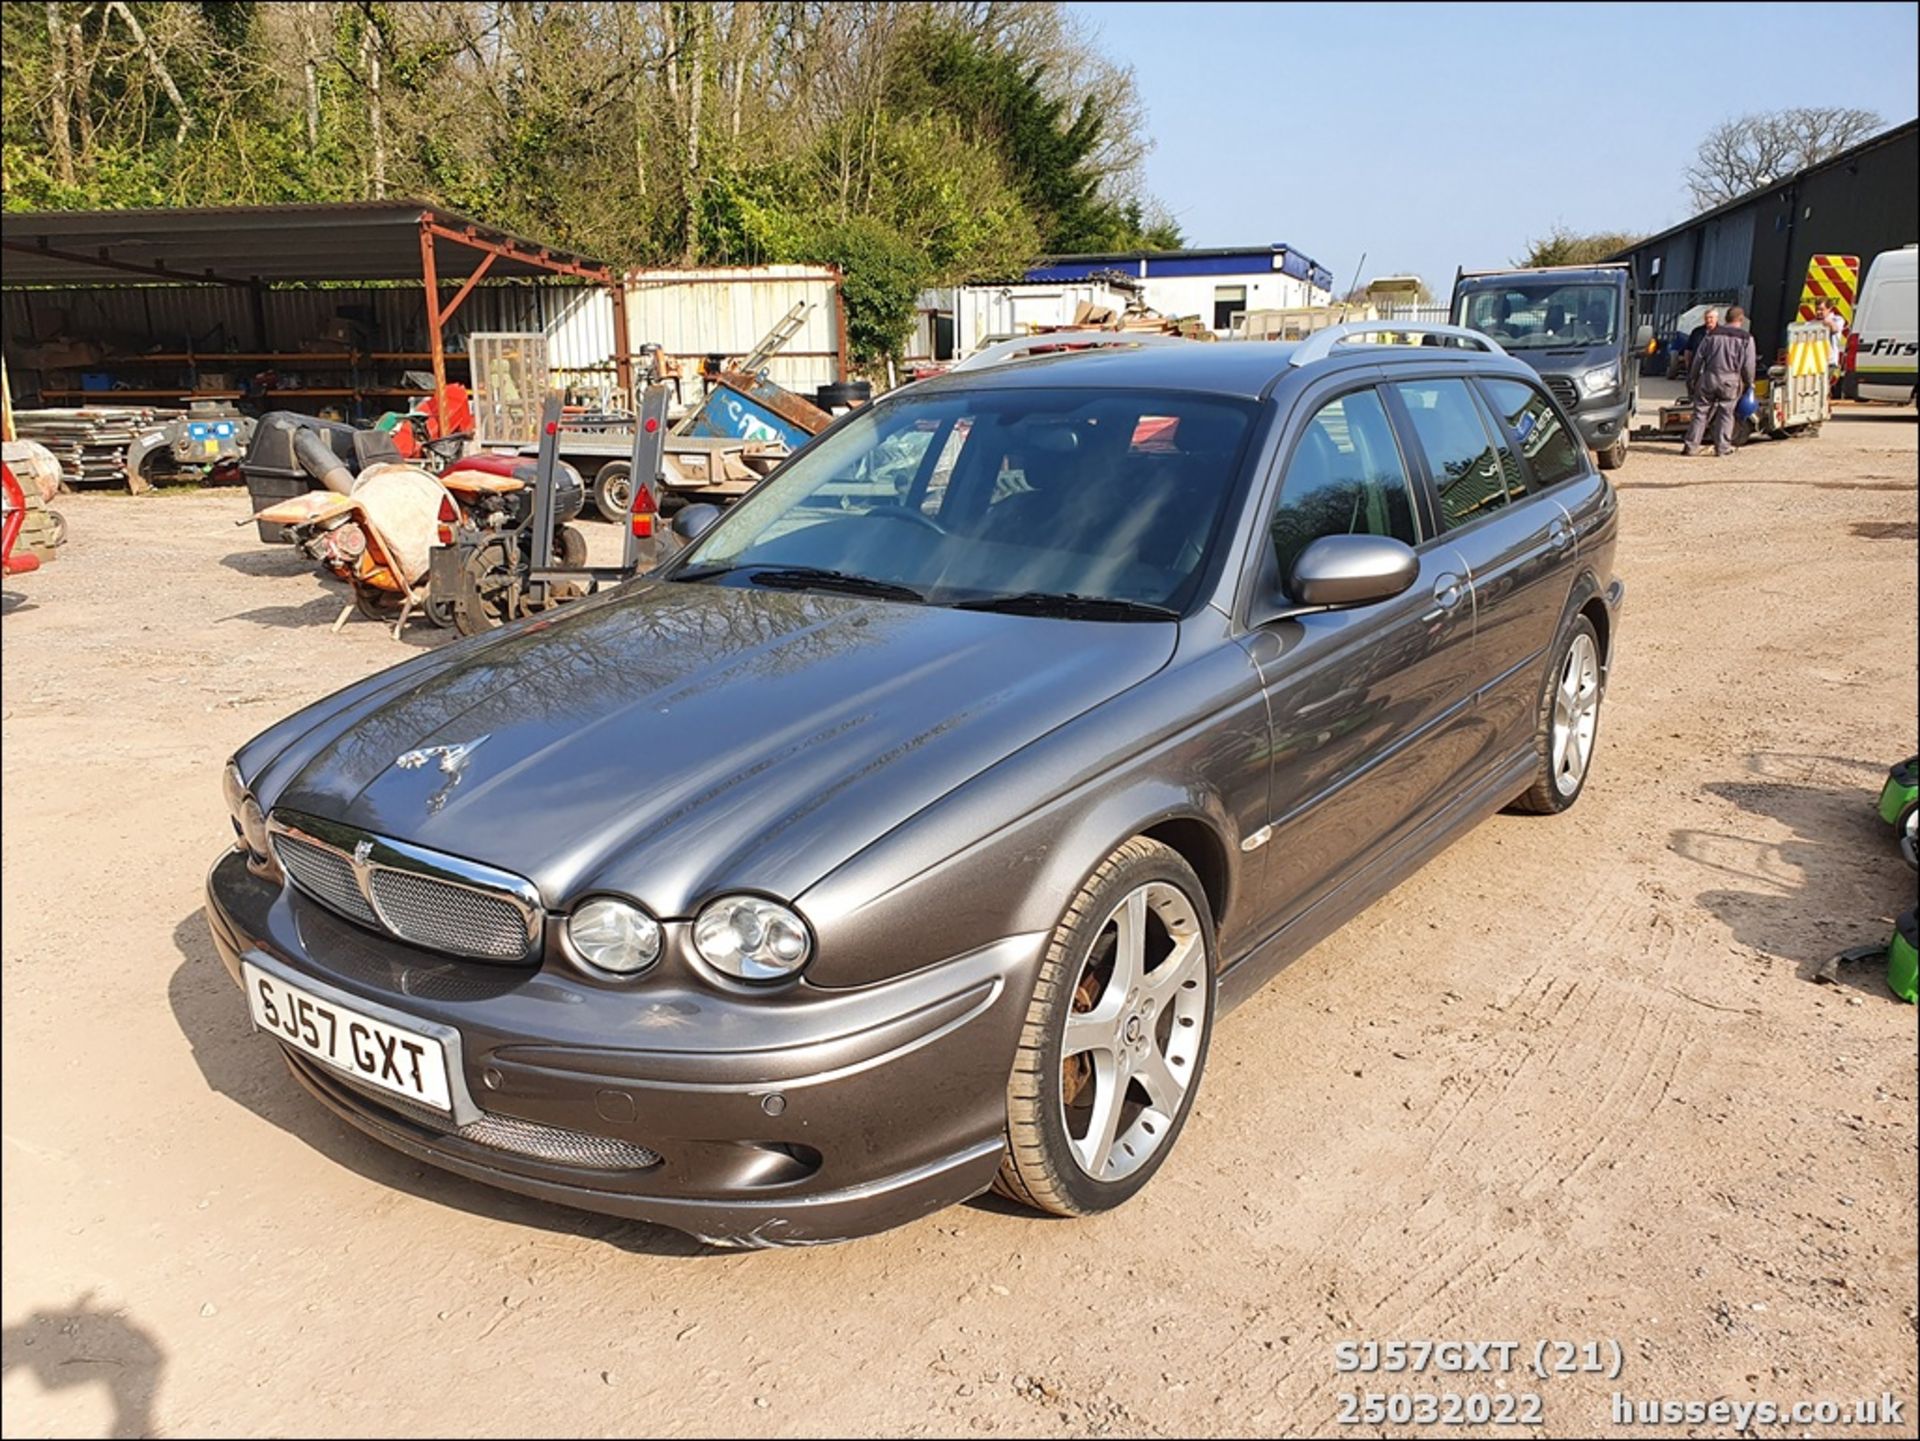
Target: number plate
<point>394,1059</point>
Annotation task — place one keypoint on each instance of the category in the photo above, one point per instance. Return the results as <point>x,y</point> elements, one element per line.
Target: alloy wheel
<point>1576,714</point>
<point>1133,1035</point>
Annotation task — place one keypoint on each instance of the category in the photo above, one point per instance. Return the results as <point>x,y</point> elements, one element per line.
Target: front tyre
<point>1568,724</point>
<point>1115,1037</point>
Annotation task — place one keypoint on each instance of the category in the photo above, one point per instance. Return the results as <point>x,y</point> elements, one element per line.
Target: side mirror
<point>1344,570</point>
<point>1643,337</point>
<point>694,521</point>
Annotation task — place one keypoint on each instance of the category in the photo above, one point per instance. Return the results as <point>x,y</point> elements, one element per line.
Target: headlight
<point>1598,382</point>
<point>613,936</point>
<point>249,821</point>
<point>752,938</point>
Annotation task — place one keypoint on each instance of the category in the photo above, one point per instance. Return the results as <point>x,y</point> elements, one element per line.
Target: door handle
<point>1448,592</point>
<point>1559,535</point>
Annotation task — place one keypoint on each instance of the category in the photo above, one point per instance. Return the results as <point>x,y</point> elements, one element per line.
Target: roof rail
<point>1023,346</point>
<point>1542,269</point>
<point>1320,344</point>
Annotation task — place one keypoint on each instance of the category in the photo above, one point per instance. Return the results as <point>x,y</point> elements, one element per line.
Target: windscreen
<point>1539,314</point>
<point>969,495</point>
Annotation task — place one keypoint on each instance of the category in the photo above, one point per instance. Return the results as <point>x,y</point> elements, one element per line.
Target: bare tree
<point>60,126</point>
<point>165,76</point>
<point>1740,156</point>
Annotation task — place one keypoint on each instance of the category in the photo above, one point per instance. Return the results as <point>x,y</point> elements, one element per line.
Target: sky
<point>1428,136</point>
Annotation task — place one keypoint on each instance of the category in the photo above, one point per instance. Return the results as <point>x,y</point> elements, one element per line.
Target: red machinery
<point>14,511</point>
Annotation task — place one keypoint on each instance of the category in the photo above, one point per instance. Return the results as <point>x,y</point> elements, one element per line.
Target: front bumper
<point>790,1117</point>
<point>1602,425</point>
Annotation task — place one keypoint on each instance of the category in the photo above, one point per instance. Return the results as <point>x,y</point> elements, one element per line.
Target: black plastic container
<point>274,472</point>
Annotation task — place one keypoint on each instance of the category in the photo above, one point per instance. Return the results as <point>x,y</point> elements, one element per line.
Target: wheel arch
<point>1595,610</point>
<point>1200,846</point>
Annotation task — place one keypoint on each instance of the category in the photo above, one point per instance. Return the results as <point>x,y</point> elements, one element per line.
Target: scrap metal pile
<point>135,445</point>
<point>91,444</point>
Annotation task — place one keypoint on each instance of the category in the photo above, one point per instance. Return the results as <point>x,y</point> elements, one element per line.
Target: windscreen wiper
<point>1068,606</point>
<point>807,577</point>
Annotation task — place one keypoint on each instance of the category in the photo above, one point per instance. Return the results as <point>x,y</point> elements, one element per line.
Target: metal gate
<point>1664,310</point>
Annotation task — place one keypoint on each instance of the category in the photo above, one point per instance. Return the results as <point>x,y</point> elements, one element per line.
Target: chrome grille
<point>1563,390</point>
<point>326,875</point>
<point>445,917</point>
<point>433,901</point>
<point>553,1144</point>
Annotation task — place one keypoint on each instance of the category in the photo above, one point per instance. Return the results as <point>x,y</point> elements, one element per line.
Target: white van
<point>1885,362</point>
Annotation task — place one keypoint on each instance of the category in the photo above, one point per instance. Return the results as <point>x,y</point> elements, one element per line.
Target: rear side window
<point>1345,478</point>
<point>1511,470</point>
<point>1551,451</point>
<point>1460,454</point>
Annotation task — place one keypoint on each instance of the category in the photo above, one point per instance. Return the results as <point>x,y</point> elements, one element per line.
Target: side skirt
<point>1373,879</point>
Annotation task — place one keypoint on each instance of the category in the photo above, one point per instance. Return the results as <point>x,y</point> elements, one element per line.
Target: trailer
<point>1793,396</point>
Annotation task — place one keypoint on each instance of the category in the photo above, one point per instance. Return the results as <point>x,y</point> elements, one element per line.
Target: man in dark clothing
<point>1720,373</point>
<point>1708,323</point>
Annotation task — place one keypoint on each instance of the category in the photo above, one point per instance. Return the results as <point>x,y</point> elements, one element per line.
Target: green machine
<point>1900,806</point>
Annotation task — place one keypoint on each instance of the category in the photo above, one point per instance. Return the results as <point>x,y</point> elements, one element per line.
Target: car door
<point>1370,707</point>
<point>1549,473</point>
<point>1517,544</point>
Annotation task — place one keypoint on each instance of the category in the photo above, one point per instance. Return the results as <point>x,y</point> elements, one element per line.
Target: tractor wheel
<point>489,595</point>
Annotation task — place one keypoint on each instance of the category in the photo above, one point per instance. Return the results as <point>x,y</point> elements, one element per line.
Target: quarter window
<point>1460,455</point>
<point>1346,478</point>
<point>1551,451</point>
<point>1511,470</point>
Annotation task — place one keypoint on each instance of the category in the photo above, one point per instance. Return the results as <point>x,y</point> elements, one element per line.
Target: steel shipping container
<point>725,310</point>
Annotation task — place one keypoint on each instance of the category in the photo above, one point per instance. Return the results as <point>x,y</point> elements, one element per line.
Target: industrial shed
<point>1860,202</point>
<point>341,307</point>
<point>325,308</point>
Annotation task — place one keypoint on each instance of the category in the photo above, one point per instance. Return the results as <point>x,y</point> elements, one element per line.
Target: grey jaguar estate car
<point>904,835</point>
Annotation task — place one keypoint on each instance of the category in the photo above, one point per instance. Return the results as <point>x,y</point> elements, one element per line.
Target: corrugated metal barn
<point>352,309</point>
<point>1860,202</point>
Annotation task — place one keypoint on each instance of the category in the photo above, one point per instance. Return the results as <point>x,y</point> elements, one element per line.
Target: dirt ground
<point>1570,1082</point>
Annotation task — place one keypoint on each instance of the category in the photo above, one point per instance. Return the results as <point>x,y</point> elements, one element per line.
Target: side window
<point>1345,478</point>
<point>1511,470</point>
<point>1460,455</point>
<point>1553,454</point>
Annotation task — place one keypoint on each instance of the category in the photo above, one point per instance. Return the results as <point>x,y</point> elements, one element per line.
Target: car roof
<point>1248,369</point>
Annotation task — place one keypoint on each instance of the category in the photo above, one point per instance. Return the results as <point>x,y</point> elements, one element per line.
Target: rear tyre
<point>1568,724</point>
<point>613,490</point>
<point>1115,1038</point>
